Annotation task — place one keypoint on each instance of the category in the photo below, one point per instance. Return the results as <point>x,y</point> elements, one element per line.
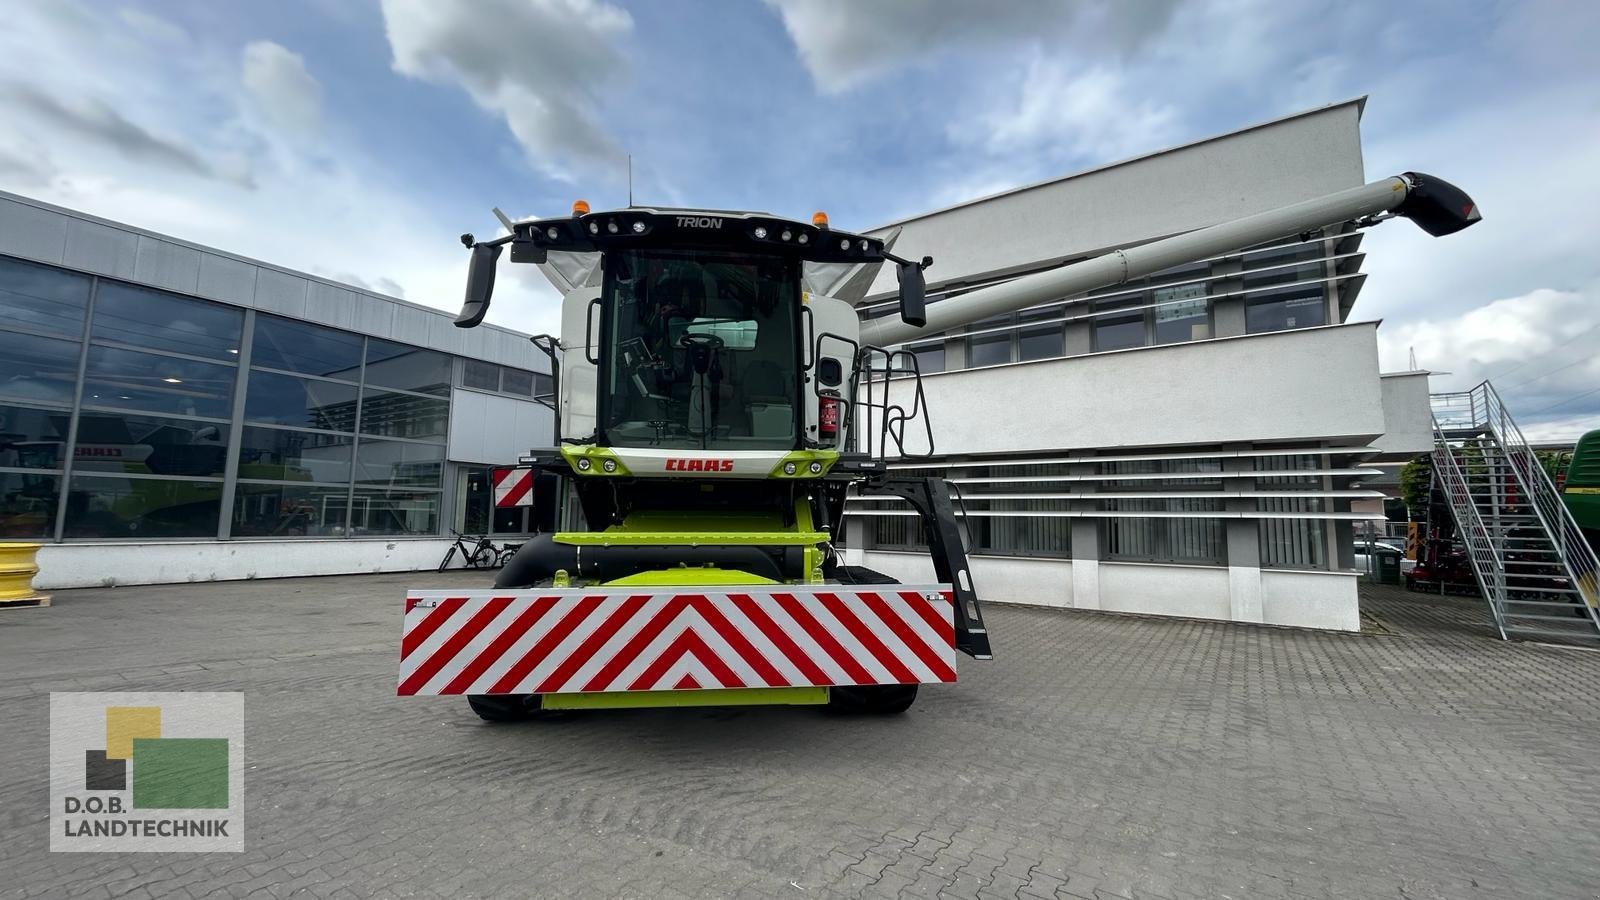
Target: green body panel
<point>802,460</point>
<point>670,528</point>
<point>596,458</point>
<point>687,576</point>
<point>794,696</point>
<point>1582,488</point>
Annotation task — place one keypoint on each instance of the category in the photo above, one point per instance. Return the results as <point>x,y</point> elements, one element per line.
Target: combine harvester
<point>714,411</point>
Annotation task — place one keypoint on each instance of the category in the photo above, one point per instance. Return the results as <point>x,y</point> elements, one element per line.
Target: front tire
<point>503,707</point>
<point>448,555</point>
<point>872,700</point>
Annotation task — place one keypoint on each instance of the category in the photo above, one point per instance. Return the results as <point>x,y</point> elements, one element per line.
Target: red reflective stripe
<point>686,683</point>
<point>498,647</point>
<point>740,644</point>
<point>591,644</point>
<point>908,636</point>
<point>942,626</point>
<point>430,623</point>
<point>625,656</point>
<point>824,639</point>
<point>551,639</point>
<point>687,643</point>
<point>447,651</point>
<point>863,633</point>
<point>780,639</point>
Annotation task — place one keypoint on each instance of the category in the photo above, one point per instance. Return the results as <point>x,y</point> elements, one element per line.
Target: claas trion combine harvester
<point>714,411</point>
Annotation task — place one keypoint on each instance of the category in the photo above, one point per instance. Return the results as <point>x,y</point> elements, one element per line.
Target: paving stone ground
<point>1097,757</point>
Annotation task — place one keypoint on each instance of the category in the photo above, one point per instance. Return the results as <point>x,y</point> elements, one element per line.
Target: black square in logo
<point>101,774</point>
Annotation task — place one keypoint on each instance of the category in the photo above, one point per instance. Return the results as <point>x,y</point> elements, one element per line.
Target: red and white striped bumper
<point>578,640</point>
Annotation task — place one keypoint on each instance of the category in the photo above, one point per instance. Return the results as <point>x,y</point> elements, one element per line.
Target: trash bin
<point>1386,565</point>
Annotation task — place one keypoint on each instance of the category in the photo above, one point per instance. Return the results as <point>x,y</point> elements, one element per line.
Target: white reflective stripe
<point>569,644</point>
<point>630,628</point>
<point>479,642</point>
<point>885,634</point>
<point>520,647</point>
<point>427,648</point>
<point>759,640</point>
<point>808,645</point>
<point>859,653</point>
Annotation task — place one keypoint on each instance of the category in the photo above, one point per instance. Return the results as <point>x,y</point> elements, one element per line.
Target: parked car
<point>1382,547</point>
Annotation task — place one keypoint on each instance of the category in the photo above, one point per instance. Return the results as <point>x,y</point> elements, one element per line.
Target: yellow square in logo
<point>125,723</point>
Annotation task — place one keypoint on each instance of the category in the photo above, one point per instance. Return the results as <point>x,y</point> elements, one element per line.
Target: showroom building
<point>1195,443</point>
<point>171,412</point>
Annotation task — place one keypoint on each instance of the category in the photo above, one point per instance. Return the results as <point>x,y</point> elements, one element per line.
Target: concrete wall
<point>1324,600</point>
<point>32,229</point>
<point>1177,190</point>
<point>171,562</point>
<point>1251,388</point>
<point>1407,416</point>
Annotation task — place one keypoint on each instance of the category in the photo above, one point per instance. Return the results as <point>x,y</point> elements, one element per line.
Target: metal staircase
<point>1536,571</point>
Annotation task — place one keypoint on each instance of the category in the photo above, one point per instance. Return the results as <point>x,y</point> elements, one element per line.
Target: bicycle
<point>482,554</point>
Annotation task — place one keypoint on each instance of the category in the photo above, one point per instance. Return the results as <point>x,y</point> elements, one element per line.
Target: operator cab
<point>701,339</point>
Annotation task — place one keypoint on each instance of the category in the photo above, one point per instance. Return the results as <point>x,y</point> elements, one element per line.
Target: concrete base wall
<point>1324,600</point>
<point>104,565</point>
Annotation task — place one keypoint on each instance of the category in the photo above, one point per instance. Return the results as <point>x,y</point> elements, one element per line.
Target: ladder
<point>1536,570</point>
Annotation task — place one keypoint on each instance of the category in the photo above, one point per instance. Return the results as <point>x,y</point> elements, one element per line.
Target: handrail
<point>1478,540</point>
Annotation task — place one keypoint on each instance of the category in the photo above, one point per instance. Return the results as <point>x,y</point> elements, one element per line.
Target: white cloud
<point>844,43</point>
<point>1536,348</point>
<point>539,64</point>
<point>1077,113</point>
<point>279,83</point>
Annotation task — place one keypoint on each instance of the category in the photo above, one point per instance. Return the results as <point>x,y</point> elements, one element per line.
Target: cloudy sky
<point>357,139</point>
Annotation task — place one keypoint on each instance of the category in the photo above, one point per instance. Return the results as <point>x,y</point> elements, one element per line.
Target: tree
<point>1416,485</point>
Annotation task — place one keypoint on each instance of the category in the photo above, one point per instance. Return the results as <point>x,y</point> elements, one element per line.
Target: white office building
<point>1192,444</point>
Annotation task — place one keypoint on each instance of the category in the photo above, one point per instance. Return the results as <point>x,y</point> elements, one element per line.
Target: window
<point>28,504</point>
<point>988,350</point>
<point>1119,333</point>
<point>1292,543</point>
<point>276,454</point>
<point>1014,535</point>
<point>1042,342</point>
<point>481,375</point>
<point>395,463</point>
<point>1182,313</point>
<point>32,438</point>
<point>305,349</point>
<point>37,368</point>
<point>393,414</point>
<point>287,510</point>
<point>394,512</point>
<point>407,368</point>
<point>129,379</point>
<point>516,381</point>
<point>156,320</point>
<point>1282,310</point>
<point>930,358</point>
<point>273,399</point>
<point>1172,538</point>
<point>109,507</point>
<point>39,298</point>
<point>126,444</point>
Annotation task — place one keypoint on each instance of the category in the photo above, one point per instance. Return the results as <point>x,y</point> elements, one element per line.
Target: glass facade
<point>133,413</point>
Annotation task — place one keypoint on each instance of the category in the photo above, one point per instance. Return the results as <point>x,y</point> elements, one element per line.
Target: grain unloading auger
<point>714,409</point>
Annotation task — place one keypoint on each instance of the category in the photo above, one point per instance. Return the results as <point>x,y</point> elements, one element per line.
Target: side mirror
<point>480,284</point>
<point>913,296</point>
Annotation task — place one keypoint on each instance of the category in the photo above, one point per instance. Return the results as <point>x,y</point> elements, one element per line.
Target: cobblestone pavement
<point>1099,756</point>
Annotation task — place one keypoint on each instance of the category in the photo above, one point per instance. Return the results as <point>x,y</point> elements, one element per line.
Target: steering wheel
<point>693,340</point>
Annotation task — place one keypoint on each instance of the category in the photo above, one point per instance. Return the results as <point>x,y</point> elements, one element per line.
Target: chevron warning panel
<point>576,640</point>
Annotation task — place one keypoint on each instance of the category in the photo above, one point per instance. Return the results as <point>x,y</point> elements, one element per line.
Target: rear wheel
<point>877,699</point>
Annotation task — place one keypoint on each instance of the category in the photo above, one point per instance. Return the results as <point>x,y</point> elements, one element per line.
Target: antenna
<point>630,179</point>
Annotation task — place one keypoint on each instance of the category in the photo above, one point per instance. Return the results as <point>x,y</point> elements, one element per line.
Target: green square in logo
<point>180,773</point>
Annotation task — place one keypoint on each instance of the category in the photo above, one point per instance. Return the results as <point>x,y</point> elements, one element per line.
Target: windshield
<point>701,351</point>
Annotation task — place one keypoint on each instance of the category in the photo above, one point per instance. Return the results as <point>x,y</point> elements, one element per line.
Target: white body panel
<point>579,378</point>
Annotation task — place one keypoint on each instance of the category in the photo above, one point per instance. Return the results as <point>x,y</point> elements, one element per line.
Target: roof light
<point>863,245</point>
<point>580,207</point>
<point>819,219</point>
<point>761,232</point>
<point>552,233</point>
<point>594,227</point>
<point>803,238</point>
<point>611,226</point>
<point>638,227</point>
<point>844,244</point>
<point>787,234</point>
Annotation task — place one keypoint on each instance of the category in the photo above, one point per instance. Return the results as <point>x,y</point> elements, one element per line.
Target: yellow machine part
<point>791,696</point>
